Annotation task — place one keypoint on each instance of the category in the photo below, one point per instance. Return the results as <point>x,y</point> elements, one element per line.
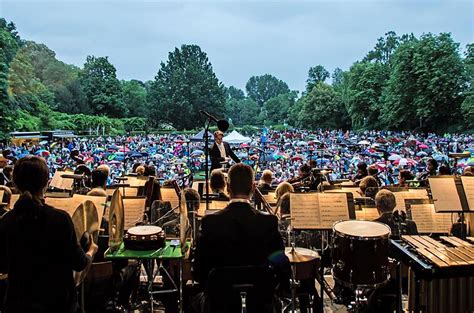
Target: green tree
<point>102,88</point>
<point>278,108</point>
<point>365,82</point>
<point>384,48</point>
<point>316,75</point>
<point>467,105</point>
<point>184,85</point>
<point>235,93</point>
<point>261,88</point>
<point>426,85</point>
<point>70,98</point>
<point>337,77</point>
<point>323,108</point>
<point>242,111</point>
<point>134,97</point>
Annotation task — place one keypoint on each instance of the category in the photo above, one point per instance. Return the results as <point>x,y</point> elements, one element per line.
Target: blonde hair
<point>104,168</point>
<point>283,188</point>
<point>385,200</point>
<point>267,176</point>
<point>140,170</point>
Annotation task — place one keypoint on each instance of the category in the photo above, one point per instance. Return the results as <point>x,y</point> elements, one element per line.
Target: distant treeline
<point>404,83</point>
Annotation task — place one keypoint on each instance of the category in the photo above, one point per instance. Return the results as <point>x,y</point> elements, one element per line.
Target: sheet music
<point>62,183</point>
<point>70,204</point>
<point>332,207</point>
<point>468,186</point>
<point>304,210</point>
<point>134,181</point>
<point>133,211</point>
<point>445,194</point>
<point>169,194</point>
<point>14,199</point>
<point>428,221</point>
<point>368,214</point>
<point>401,196</point>
<point>270,197</point>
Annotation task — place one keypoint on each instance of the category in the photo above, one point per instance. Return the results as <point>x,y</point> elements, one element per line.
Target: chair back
<point>241,289</point>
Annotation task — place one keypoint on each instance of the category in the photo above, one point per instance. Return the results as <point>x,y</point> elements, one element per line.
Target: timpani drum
<point>360,253</point>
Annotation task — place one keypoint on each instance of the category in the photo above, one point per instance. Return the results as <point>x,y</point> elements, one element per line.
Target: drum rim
<point>362,238</point>
<point>352,285</point>
<point>158,229</point>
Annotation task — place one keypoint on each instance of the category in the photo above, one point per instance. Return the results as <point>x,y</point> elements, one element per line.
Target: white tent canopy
<point>236,138</point>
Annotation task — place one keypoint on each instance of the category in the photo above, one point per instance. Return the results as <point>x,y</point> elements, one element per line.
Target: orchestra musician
<point>98,183</point>
<point>217,184</point>
<point>38,247</point>
<point>431,170</point>
<point>265,183</point>
<point>239,235</point>
<point>221,152</point>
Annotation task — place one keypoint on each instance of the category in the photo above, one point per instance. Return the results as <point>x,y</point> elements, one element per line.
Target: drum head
<point>356,228</point>
<point>144,230</point>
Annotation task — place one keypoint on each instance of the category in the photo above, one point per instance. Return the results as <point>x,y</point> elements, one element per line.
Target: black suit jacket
<point>215,155</point>
<point>239,235</point>
<point>39,251</point>
<point>408,226</point>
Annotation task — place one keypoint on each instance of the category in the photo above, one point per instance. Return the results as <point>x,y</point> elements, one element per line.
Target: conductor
<point>221,152</point>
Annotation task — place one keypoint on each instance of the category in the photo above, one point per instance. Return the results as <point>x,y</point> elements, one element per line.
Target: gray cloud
<point>241,38</point>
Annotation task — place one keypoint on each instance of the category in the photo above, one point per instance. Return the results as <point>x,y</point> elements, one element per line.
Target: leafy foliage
<point>184,85</point>
<point>316,75</point>
<point>262,88</point>
<point>102,88</point>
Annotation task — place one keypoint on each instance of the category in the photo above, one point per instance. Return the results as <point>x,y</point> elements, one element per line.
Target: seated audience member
<point>98,184</point>
<point>239,235</point>
<point>6,199</point>
<point>217,184</point>
<point>265,183</point>
<point>38,247</point>
<point>397,221</point>
<point>282,194</point>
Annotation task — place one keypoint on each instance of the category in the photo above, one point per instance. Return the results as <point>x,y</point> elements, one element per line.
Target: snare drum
<point>360,253</point>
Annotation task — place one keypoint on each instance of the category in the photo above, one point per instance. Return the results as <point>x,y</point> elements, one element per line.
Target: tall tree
<point>235,93</point>
<point>277,108</point>
<point>420,92</point>
<point>134,97</point>
<point>323,108</point>
<point>384,48</point>
<point>365,83</point>
<point>262,88</point>
<point>184,85</point>
<point>242,111</point>
<point>102,88</point>
<point>467,105</point>
<point>316,75</point>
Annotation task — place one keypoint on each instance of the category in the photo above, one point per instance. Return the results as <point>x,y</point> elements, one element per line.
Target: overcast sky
<point>241,38</point>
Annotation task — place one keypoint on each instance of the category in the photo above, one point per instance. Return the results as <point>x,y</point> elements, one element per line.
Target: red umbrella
<point>297,158</point>
<point>423,146</point>
<point>244,145</point>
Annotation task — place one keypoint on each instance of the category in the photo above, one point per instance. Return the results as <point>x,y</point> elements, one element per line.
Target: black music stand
<point>462,199</point>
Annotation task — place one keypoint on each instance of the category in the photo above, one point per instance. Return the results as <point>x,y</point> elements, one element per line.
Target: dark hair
<point>369,186</point>
<point>192,199</point>
<point>217,180</point>
<point>31,174</point>
<point>406,175</point>
<point>444,170</point>
<point>372,170</point>
<point>149,171</point>
<point>434,163</point>
<point>99,178</point>
<point>240,179</point>
<point>305,168</point>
